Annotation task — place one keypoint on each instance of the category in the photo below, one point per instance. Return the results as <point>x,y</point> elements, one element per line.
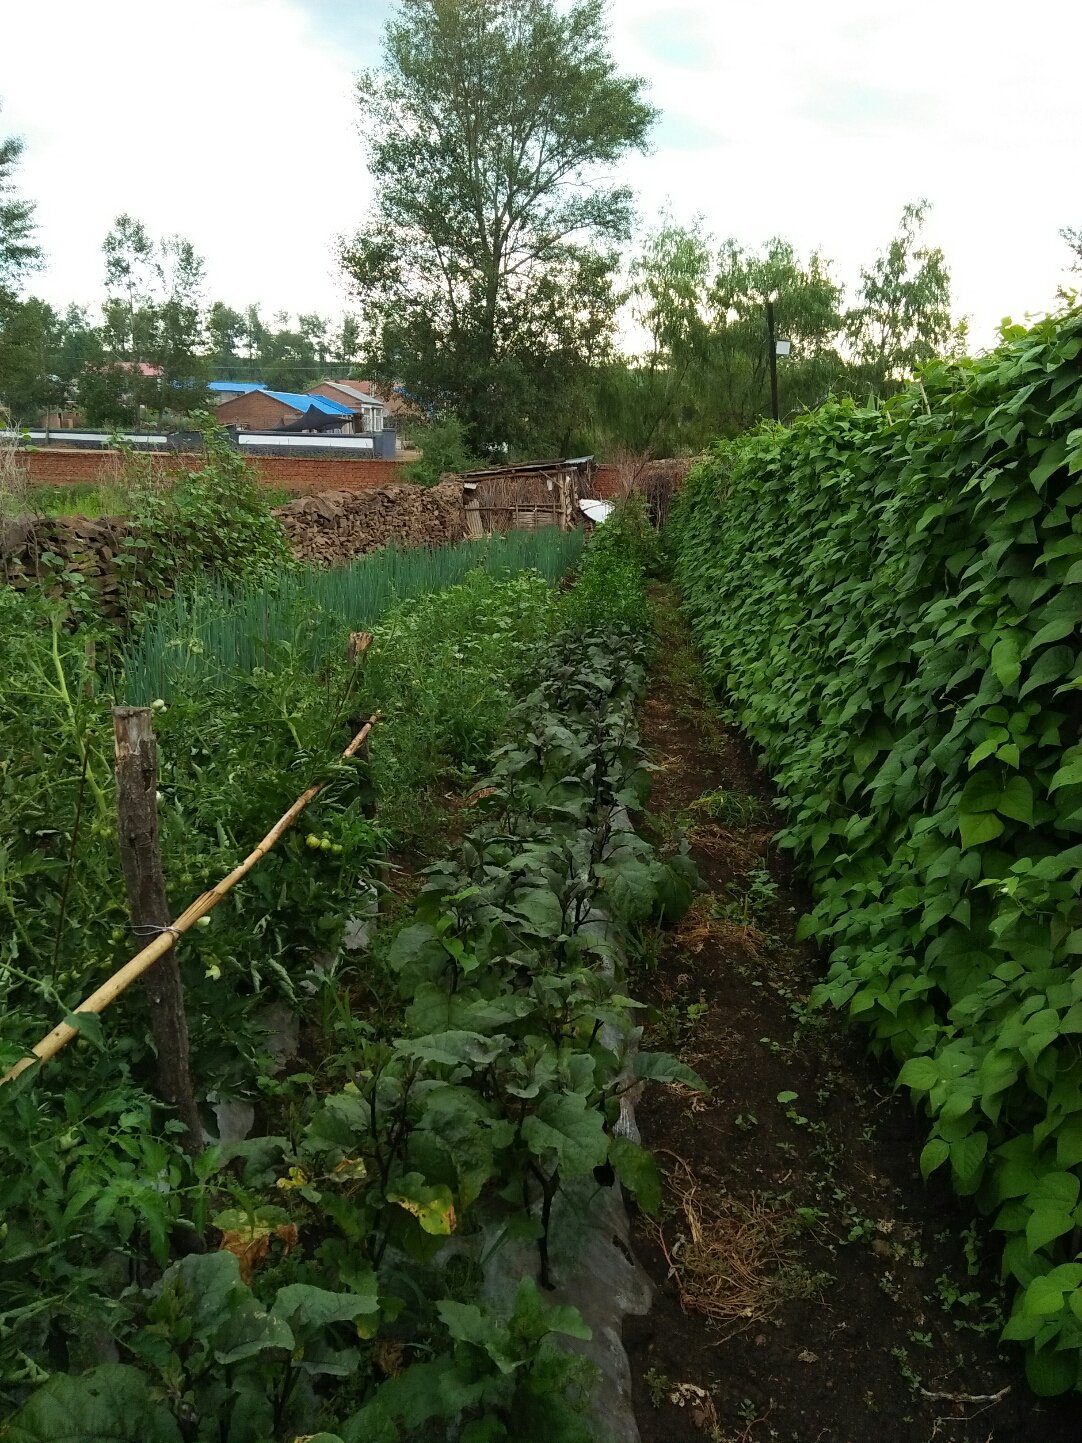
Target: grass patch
<point>104,498</point>
<point>730,808</point>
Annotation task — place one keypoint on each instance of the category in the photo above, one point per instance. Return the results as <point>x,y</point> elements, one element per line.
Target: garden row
<point>461,1074</point>
<point>892,598</point>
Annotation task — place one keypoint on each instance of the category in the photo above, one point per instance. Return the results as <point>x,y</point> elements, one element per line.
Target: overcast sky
<point>232,122</point>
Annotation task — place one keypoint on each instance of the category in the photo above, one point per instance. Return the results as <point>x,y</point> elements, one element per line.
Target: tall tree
<point>704,369</point>
<point>132,277</point>
<point>806,302</point>
<point>19,251</point>
<point>902,318</point>
<point>154,316</point>
<point>23,326</point>
<point>347,342</point>
<point>29,333</point>
<point>487,269</point>
<point>1074,241</point>
<point>316,331</point>
<point>225,340</point>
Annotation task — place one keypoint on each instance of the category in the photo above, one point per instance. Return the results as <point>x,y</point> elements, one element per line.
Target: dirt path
<point>810,1288</point>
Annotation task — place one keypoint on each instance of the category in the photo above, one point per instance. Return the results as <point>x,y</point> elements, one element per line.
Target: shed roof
<point>298,402</point>
<point>237,388</point>
<point>355,390</point>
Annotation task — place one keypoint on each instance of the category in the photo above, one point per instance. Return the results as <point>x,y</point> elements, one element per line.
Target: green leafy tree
<point>27,385</point>
<point>346,345</point>
<point>903,317</point>
<point>78,343</point>
<point>41,354</point>
<point>23,329</point>
<point>287,358</point>
<point>703,371</point>
<point>225,340</point>
<point>316,332</point>
<point>1074,241</point>
<point>19,251</point>
<point>444,447</point>
<point>806,309</point>
<point>154,315</point>
<point>106,396</point>
<point>131,278</point>
<point>487,270</point>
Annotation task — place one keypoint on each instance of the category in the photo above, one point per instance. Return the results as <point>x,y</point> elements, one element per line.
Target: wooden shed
<point>521,498</point>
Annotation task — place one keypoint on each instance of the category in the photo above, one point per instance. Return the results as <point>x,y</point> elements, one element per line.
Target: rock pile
<point>334,527</point>
<point>40,550</point>
<point>64,554</point>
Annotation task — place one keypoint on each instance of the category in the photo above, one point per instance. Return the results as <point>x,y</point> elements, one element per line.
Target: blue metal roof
<point>237,388</point>
<point>306,403</point>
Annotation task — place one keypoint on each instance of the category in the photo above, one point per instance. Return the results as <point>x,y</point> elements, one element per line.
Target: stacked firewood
<point>335,526</point>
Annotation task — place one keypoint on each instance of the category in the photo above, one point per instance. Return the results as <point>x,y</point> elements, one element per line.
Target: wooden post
<point>137,829</point>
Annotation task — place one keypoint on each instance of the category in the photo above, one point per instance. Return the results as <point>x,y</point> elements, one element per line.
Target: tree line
<point>496,279</point>
<point>157,343</point>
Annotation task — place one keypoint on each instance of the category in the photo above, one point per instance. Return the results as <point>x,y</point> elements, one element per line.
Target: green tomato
<point>312,840</point>
<point>326,844</point>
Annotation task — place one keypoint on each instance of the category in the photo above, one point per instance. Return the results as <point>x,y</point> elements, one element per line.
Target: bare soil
<point>811,1288</point>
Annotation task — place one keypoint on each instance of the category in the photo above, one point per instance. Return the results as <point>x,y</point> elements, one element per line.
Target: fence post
<point>140,856</point>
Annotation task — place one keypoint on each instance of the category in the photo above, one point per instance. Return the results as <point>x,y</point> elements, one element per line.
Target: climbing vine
<point>892,599</point>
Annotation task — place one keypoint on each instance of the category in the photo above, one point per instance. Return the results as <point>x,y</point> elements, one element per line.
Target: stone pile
<point>336,526</point>
<point>64,554</point>
<point>38,551</point>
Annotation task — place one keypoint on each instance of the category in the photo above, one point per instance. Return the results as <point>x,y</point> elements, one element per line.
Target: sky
<point>233,122</point>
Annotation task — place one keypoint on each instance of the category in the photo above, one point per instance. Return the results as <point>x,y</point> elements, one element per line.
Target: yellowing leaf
<point>433,1207</point>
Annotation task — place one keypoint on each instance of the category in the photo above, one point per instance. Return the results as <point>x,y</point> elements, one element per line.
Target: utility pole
<point>772,347</point>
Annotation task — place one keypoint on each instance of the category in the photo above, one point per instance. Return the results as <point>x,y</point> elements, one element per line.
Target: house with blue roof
<point>260,409</point>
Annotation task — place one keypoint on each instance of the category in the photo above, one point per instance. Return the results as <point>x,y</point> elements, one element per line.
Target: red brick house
<point>274,410</point>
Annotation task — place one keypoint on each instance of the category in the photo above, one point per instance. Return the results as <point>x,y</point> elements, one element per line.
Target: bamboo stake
<point>109,991</point>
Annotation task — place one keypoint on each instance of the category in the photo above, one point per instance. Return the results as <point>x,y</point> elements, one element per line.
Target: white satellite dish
<point>596,511</point>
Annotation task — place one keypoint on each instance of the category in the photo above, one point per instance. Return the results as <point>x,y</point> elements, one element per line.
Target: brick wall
<point>303,474</point>
<point>310,475</point>
<point>307,475</point>
<point>606,481</point>
<point>57,467</point>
